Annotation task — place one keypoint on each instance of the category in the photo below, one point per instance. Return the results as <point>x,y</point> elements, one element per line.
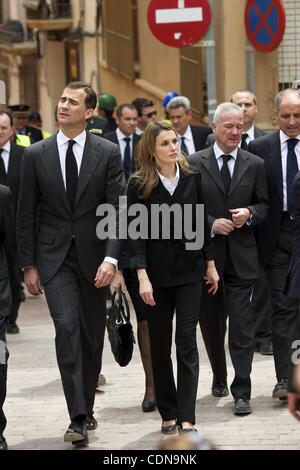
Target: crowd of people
<point>244,274</point>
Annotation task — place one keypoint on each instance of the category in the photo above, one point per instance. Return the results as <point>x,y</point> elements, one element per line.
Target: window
<point>120,30</point>
<point>289,49</point>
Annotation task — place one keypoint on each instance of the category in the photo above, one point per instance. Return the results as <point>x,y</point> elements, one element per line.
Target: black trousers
<point>175,402</point>
<point>233,297</point>
<point>261,305</point>
<point>5,303</point>
<point>78,312</point>
<point>285,311</point>
<point>16,287</point>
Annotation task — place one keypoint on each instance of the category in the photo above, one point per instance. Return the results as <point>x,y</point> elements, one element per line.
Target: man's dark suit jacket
<point>248,189</point>
<point>112,136</point>
<point>293,283</point>
<point>268,148</point>
<point>200,134</point>
<point>46,224</point>
<point>211,138</point>
<point>14,172</point>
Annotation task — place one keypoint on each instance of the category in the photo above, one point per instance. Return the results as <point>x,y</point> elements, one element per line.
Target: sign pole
<point>211,68</point>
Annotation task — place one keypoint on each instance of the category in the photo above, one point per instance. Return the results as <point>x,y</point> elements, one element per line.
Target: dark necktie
<point>71,174</point>
<point>2,169</point>
<point>291,170</point>
<point>127,158</point>
<point>244,144</point>
<point>183,146</point>
<point>226,173</point>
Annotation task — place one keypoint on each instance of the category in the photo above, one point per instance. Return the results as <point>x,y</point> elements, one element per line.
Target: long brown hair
<point>146,176</point>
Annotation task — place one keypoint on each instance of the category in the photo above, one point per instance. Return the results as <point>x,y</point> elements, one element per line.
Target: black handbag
<point>119,328</point>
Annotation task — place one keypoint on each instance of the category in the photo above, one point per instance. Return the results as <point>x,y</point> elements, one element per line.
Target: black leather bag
<point>119,328</point>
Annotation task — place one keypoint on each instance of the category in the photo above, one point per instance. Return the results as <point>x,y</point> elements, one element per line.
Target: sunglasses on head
<point>150,115</point>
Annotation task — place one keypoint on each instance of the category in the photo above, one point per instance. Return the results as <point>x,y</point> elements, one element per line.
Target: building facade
<point>108,43</point>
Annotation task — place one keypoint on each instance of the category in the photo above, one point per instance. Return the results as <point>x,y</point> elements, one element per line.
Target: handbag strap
<point>120,298</point>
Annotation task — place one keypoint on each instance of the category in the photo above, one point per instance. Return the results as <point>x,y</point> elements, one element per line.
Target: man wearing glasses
<point>146,113</point>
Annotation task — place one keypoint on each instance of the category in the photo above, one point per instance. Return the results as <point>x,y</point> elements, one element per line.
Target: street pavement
<point>37,414</point>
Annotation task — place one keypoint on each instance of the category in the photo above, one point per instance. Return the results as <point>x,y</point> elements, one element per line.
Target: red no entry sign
<point>265,23</point>
<point>179,23</point>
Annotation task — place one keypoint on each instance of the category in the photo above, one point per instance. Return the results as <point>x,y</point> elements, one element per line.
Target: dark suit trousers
<point>5,302</point>
<point>175,403</point>
<point>261,305</point>
<point>212,320</point>
<point>78,311</point>
<point>16,287</point>
<point>284,319</point>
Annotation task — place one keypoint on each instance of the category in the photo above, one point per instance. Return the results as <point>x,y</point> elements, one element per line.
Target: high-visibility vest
<point>23,140</point>
<point>46,134</point>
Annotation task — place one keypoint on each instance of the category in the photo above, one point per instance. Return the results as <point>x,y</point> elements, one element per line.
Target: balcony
<point>12,39</point>
<point>42,16</point>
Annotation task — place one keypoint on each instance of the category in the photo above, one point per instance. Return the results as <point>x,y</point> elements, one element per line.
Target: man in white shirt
<point>64,180</point>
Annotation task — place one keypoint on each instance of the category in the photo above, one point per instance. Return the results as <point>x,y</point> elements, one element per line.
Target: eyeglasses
<point>150,115</point>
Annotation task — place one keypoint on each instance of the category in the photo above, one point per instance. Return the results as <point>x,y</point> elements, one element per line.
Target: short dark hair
<point>91,97</point>
<point>10,116</point>
<point>120,108</point>
<point>141,103</point>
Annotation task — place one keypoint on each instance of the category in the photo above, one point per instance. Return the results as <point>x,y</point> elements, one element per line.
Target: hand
<point>32,281</point>
<point>240,216</point>
<point>118,282</point>
<point>212,277</point>
<point>105,274</point>
<point>294,404</point>
<point>223,226</point>
<point>146,290</point>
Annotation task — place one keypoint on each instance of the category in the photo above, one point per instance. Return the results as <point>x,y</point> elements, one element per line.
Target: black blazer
<point>14,172</point>
<point>268,148</point>
<point>46,224</point>
<point>248,189</point>
<point>211,138</point>
<point>168,263</point>
<point>200,134</point>
<point>112,136</point>
<point>293,282</point>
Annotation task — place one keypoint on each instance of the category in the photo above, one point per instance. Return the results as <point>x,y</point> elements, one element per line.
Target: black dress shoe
<point>91,422</point>
<point>3,443</point>
<point>148,406</point>
<point>219,389</point>
<point>12,328</point>
<point>172,429</point>
<point>281,389</point>
<point>242,407</point>
<point>76,432</point>
<point>265,348</point>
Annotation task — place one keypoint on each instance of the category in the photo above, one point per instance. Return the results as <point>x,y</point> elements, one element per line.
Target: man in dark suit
<point>192,137</point>
<point>10,163</point>
<point>280,151</point>
<point>7,245</point>
<point>261,299</point>
<point>235,195</point>
<point>64,180</point>
<point>125,136</point>
<point>293,291</point>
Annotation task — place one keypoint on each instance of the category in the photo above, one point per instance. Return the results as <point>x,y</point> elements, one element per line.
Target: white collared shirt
<point>170,185</point>
<point>122,142</point>
<point>284,151</point>
<point>250,137</point>
<point>5,154</point>
<point>218,154</point>
<point>78,148</point>
<point>188,140</point>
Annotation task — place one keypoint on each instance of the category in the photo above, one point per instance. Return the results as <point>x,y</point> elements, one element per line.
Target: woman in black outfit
<point>169,273</point>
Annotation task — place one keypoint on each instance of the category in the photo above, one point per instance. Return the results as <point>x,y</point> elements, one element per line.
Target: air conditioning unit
<point>37,9</point>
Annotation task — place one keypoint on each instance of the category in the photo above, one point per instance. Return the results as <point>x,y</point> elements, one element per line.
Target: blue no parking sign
<point>265,23</point>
